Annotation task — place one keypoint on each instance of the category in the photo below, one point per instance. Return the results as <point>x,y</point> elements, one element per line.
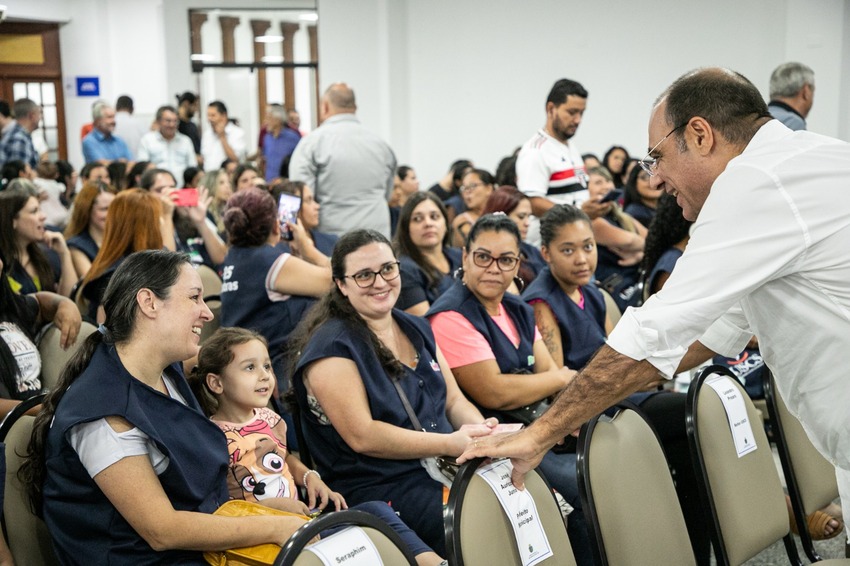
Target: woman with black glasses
<point>493,347</point>
<point>361,362</point>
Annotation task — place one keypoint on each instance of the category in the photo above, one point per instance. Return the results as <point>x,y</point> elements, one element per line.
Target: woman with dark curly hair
<point>264,288</point>
<point>665,244</point>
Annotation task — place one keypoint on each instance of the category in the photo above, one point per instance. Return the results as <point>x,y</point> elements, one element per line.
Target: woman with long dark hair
<point>422,244</point>
<point>358,356</point>
<point>118,481</point>
<point>32,267</point>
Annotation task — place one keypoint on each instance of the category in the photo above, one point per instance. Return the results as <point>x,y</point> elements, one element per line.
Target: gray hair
<point>787,79</point>
<point>98,108</point>
<point>22,107</point>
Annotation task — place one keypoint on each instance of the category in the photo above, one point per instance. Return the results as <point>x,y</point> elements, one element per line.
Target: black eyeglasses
<point>366,278</point>
<point>649,163</point>
<point>472,186</point>
<point>485,260</point>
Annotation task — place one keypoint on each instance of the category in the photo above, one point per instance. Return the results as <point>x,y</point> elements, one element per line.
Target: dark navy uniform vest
<point>360,477</point>
<point>245,301</point>
<point>85,527</point>
<point>414,280</point>
<point>582,330</point>
<point>511,359</point>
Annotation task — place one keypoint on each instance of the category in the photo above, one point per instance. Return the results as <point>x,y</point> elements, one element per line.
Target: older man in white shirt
<point>166,147</point>
<point>768,256</point>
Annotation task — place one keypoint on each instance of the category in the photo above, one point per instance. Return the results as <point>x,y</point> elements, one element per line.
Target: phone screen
<point>287,209</point>
<point>613,194</point>
<point>186,197</point>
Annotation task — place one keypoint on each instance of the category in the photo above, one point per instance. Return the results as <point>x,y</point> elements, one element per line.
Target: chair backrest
<point>53,357</point>
<point>28,538</point>
<point>210,280</point>
<point>809,476</point>
<point>744,495</point>
<point>611,307</point>
<point>388,543</point>
<point>479,534</point>
<point>214,304</point>
<point>628,494</point>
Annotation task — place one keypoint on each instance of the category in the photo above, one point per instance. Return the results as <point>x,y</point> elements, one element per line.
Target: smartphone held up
<point>287,211</point>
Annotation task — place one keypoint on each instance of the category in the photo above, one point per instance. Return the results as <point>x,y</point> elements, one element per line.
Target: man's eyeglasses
<point>485,260</point>
<point>472,187</point>
<point>366,278</point>
<point>649,163</point>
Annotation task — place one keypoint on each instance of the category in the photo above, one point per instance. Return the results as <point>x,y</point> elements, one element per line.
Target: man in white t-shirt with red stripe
<point>549,168</point>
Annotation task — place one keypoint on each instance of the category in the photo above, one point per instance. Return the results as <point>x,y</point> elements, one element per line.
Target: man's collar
<point>342,117</point>
<point>100,135</point>
<point>783,105</point>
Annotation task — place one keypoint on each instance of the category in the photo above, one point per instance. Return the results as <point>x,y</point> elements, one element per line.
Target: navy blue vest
<point>510,359</point>
<point>357,476</point>
<point>324,243</point>
<point>415,287</point>
<point>582,330</point>
<point>245,301</point>
<point>85,527</point>
<point>85,243</point>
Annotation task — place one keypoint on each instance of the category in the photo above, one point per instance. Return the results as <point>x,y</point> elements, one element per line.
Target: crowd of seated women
<point>395,352</point>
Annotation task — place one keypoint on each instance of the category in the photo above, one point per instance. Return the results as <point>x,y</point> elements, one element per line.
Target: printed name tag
<point>348,547</point>
<point>736,412</point>
<point>519,507</point>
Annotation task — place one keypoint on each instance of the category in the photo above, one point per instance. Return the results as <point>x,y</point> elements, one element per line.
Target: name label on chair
<point>519,507</point>
<point>736,413</point>
<point>348,547</point>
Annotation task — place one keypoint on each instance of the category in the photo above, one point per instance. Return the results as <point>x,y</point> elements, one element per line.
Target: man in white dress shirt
<point>167,148</point>
<point>770,209</point>
<point>222,139</point>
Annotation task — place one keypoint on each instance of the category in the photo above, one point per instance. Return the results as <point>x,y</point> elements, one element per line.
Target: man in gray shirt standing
<point>349,168</point>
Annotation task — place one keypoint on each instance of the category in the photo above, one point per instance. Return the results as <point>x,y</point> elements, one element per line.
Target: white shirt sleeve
<point>748,232</point>
<point>532,174</point>
<point>99,446</point>
<point>236,140</point>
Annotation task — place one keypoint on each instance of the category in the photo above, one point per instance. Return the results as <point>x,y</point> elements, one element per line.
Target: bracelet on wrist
<point>307,473</point>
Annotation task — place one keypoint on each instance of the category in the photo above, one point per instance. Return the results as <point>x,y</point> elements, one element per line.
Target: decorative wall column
<point>228,46</point>
<point>258,28</point>
<point>313,31</point>
<point>288,30</point>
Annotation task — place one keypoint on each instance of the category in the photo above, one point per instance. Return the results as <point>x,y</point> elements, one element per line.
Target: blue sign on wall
<point>88,86</point>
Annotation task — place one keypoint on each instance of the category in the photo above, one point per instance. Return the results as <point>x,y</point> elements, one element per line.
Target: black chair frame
<point>702,474</point>
<point>454,508</point>
<point>770,394</point>
<point>13,415</point>
<point>600,556</point>
<point>302,537</point>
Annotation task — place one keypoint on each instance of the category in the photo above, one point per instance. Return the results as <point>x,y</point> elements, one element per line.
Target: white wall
<point>443,79</point>
<point>470,78</point>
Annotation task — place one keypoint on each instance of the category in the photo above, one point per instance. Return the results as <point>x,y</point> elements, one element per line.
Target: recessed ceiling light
<point>309,17</point>
<point>203,57</point>
<point>269,39</point>
<point>272,59</point>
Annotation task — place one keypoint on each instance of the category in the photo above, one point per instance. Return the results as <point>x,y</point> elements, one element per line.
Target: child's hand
<point>286,504</point>
<point>319,495</point>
